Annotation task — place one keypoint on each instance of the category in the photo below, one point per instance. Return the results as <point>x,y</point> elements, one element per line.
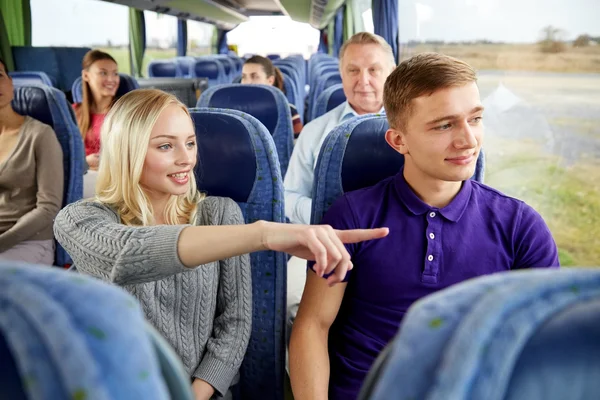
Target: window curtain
<point>17,21</point>
<point>182,37</point>
<point>5,49</point>
<point>338,31</point>
<point>385,21</point>
<point>137,40</point>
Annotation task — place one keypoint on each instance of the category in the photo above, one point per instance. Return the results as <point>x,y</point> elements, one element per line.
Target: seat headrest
<point>206,69</point>
<point>257,100</point>
<point>34,102</point>
<point>336,98</point>
<point>29,77</point>
<point>367,146</point>
<point>226,157</point>
<point>164,68</point>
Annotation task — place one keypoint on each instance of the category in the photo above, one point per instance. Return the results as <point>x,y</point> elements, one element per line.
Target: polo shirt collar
<point>416,206</point>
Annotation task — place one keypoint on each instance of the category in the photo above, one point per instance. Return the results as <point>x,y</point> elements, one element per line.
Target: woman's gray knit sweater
<point>205,313</point>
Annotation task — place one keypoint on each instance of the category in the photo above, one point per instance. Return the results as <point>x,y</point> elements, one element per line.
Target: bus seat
<point>164,69</point>
<point>273,57</point>
<point>329,99</point>
<point>291,93</point>
<point>68,336</point>
<point>227,70</point>
<point>327,80</point>
<point>266,103</point>
<point>126,84</point>
<point>237,159</point>
<point>186,65</point>
<point>517,335</point>
<point>61,64</point>
<point>320,71</point>
<point>213,70</point>
<point>355,155</point>
<point>29,77</point>
<point>49,105</point>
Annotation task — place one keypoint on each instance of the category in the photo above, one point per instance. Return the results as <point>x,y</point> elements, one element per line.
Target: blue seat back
<point>126,84</point>
<point>273,57</point>
<point>29,77</point>
<point>61,64</point>
<point>164,69</point>
<point>266,103</point>
<point>510,336</point>
<point>237,159</point>
<point>329,99</point>
<point>321,70</point>
<point>49,105</point>
<point>292,95</point>
<point>211,69</point>
<point>355,155</point>
<point>66,336</point>
<point>327,80</point>
<point>186,65</point>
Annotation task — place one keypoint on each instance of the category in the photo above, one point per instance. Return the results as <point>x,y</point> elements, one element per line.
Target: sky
<point>92,22</point>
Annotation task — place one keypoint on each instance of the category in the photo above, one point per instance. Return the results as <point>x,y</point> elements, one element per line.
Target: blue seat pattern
<point>164,69</point>
<point>49,105</point>
<point>29,77</point>
<point>266,103</point>
<point>62,345</point>
<point>516,335</point>
<point>329,99</point>
<point>237,159</point>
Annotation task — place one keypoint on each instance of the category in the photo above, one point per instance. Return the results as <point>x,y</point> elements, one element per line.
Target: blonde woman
<point>181,254</point>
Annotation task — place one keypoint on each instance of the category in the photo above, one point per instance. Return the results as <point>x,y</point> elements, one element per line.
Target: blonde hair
<point>422,74</point>
<point>364,38</point>
<point>125,136</point>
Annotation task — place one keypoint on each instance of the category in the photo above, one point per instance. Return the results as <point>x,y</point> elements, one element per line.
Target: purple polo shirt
<point>480,232</point>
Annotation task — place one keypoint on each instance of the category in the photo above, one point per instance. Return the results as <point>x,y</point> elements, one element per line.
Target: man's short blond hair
<point>369,38</point>
<point>421,75</point>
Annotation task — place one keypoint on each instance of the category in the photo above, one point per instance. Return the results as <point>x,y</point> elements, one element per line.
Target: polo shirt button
<point>430,258</point>
<point>432,214</point>
<point>431,236</point>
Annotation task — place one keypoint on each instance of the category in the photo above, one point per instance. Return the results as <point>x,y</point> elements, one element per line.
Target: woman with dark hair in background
<point>260,70</point>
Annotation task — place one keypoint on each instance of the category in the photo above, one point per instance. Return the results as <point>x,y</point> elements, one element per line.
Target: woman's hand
<point>202,390</point>
<point>93,160</point>
<point>320,243</point>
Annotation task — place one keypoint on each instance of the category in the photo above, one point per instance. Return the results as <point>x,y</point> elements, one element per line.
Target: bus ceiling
<point>227,14</point>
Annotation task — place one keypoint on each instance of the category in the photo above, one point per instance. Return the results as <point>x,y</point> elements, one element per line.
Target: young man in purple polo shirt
<point>444,229</point>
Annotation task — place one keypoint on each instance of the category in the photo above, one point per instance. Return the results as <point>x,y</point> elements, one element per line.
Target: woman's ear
<point>85,75</point>
<point>271,80</point>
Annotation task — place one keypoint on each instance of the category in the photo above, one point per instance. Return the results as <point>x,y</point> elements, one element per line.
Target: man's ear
<point>397,140</point>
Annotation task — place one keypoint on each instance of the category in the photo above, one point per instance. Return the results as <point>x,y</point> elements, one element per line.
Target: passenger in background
<point>99,84</point>
<point>260,70</point>
<point>183,255</point>
<point>444,229</point>
<point>366,60</point>
<point>31,182</point>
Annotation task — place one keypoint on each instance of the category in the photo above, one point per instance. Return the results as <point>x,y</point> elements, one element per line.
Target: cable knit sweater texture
<point>205,313</point>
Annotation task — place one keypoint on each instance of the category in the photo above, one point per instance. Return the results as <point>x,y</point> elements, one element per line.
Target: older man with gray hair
<point>366,60</point>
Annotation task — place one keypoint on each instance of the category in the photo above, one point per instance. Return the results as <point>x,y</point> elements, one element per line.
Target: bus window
<point>82,23</point>
<point>274,34</point>
<point>539,79</point>
<point>200,36</point>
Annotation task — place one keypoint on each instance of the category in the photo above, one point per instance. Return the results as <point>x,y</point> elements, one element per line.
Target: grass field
<point>518,57</point>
